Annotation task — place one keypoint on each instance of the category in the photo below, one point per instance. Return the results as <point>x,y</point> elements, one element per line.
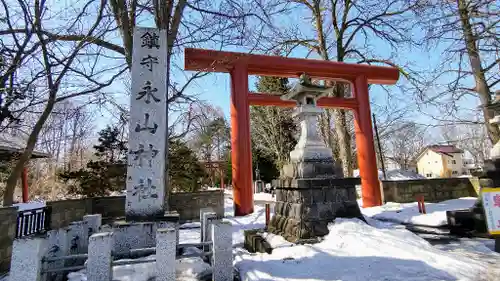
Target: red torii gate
<point>240,65</point>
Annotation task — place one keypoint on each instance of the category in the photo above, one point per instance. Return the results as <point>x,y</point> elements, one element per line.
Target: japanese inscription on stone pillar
<point>148,124</point>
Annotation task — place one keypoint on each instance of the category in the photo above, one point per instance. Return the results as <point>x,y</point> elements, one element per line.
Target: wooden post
<point>268,213</point>
<point>25,185</point>
<point>367,159</point>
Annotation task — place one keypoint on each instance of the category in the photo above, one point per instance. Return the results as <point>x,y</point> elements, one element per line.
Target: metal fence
<point>32,222</point>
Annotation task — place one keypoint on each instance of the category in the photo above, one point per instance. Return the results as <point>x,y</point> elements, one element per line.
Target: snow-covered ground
<point>187,269</point>
<point>408,212</point>
<point>263,196</point>
<point>352,251</point>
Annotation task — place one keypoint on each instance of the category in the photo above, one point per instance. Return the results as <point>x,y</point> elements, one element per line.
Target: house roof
<point>441,149</point>
<point>11,145</point>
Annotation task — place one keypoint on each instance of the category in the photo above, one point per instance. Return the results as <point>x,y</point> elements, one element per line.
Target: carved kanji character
<point>148,92</point>
<point>149,61</point>
<point>150,40</point>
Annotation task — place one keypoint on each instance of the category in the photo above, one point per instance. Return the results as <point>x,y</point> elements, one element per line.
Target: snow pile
<point>29,206</point>
<point>263,196</point>
<point>408,212</point>
<point>276,241</point>
<point>187,269</point>
<point>356,251</point>
<point>395,175</point>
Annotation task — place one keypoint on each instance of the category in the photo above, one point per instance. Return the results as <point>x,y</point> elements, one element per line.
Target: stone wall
<point>433,190</point>
<point>64,212</point>
<point>8,218</point>
<point>188,204</point>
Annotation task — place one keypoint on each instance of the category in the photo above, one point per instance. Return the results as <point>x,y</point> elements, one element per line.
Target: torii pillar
<point>240,65</point>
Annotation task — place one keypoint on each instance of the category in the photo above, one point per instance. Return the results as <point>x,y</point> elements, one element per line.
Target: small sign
<point>491,205</point>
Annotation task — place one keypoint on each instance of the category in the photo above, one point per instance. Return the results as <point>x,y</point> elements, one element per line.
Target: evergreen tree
<point>185,172</point>
<point>273,128</point>
<point>105,174</point>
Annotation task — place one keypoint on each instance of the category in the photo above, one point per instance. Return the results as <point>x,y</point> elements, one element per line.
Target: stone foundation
<point>304,207</point>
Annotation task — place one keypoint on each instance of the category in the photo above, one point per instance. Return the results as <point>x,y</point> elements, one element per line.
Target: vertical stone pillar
<point>26,261</point>
<point>94,222</point>
<point>166,246</point>
<point>58,246</point>
<point>172,222</point>
<point>222,261</point>
<point>99,262</point>
<point>147,157</point>
<point>202,226</point>
<point>208,219</point>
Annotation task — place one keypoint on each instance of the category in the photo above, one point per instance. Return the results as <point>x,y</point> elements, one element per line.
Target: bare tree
<point>342,30</point>
<point>273,128</point>
<point>404,143</point>
<point>210,132</point>
<point>60,66</point>
<point>468,31</point>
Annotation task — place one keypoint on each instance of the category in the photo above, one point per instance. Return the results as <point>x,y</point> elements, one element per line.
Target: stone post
<point>26,260</point>
<point>58,246</point>
<point>166,246</point>
<point>99,262</point>
<point>222,261</point>
<point>172,221</point>
<point>202,226</point>
<point>208,219</point>
<point>94,222</point>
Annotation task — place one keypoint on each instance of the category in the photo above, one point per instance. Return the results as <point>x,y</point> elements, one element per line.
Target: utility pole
<point>379,146</point>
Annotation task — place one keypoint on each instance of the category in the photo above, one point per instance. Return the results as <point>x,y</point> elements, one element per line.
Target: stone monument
<point>146,186</point>
<point>146,205</point>
<point>311,191</point>
<point>490,177</point>
<point>473,219</point>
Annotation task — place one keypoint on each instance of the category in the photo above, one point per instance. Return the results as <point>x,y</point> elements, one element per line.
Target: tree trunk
<point>478,72</point>
<point>8,196</point>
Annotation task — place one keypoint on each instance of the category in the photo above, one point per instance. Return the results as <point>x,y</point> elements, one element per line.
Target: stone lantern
<point>311,157</point>
<point>495,107</point>
<point>473,219</point>
<point>311,191</point>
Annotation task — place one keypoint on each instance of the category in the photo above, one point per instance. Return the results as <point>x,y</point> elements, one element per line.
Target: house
<point>440,161</point>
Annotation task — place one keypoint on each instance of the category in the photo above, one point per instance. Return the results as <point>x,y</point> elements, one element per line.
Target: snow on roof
<point>445,149</point>
<point>395,175</point>
<point>441,149</point>
<point>10,143</point>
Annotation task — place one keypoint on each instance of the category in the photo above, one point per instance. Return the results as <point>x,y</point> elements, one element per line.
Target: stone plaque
<point>148,125</point>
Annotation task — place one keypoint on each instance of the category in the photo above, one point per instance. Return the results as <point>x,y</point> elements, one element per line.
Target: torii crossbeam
<point>240,65</point>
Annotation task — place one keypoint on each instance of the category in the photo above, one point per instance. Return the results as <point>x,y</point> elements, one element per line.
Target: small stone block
<point>222,261</point>
<point>165,254</point>
<point>208,217</point>
<point>58,245</point>
<point>94,222</point>
<point>26,261</point>
<point>78,232</point>
<point>202,211</point>
<point>99,262</point>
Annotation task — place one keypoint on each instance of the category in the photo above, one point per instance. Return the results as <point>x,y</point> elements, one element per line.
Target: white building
<point>440,161</point>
